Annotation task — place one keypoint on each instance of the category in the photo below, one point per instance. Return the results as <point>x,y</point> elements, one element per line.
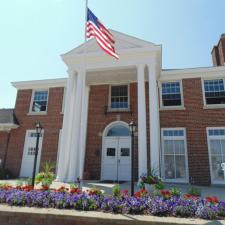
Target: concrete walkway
<point>107,187</point>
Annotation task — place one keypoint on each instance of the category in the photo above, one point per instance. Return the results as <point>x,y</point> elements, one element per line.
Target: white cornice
<point>37,84</point>
<point>8,126</point>
<point>204,72</point>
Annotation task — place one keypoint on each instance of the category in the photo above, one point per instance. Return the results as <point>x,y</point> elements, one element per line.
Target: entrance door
<point>116,159</point>
<point>28,154</point>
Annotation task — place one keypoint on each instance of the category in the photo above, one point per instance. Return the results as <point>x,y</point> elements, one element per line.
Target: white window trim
<point>180,107</point>
<point>109,109</point>
<point>32,100</point>
<point>211,106</point>
<point>184,138</point>
<point>209,151</point>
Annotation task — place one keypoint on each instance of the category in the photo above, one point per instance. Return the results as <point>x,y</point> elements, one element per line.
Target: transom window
<point>119,97</point>
<point>118,130</point>
<point>171,94</point>
<point>214,91</point>
<point>174,155</point>
<point>216,141</point>
<point>40,101</point>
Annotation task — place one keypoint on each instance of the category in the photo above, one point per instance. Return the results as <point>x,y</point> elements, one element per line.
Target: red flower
<point>189,196</point>
<point>165,193</point>
<point>125,192</point>
<point>62,189</point>
<point>75,191</point>
<point>213,200</point>
<point>27,188</point>
<point>140,193</point>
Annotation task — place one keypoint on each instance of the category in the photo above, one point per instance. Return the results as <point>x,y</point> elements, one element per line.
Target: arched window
<point>118,130</point>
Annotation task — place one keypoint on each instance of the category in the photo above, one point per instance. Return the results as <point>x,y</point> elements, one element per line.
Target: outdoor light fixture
<point>38,128</point>
<point>132,127</point>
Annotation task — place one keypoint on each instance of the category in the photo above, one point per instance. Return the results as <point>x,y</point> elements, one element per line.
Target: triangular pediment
<point>122,42</point>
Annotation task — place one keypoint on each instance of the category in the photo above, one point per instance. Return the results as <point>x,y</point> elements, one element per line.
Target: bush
<point>46,177</point>
<point>5,174</point>
<point>194,191</point>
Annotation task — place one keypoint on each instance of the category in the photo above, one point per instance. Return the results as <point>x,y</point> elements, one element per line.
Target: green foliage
<point>116,191</point>
<point>175,191</point>
<point>47,176</point>
<point>194,191</point>
<point>159,186</point>
<point>5,174</point>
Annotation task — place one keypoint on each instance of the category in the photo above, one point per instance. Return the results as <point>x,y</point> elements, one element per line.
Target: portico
<point>140,61</point>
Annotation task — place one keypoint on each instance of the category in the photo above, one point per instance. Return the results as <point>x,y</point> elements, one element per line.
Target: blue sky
<point>35,32</point>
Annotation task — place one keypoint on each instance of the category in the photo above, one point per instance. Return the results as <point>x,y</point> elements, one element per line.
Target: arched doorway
<point>116,152</point>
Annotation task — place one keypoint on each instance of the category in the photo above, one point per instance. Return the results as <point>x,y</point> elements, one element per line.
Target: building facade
<point>180,117</point>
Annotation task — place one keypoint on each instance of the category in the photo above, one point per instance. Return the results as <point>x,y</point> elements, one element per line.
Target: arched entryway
<point>116,152</point>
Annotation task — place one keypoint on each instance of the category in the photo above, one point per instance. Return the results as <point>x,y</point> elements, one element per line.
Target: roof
<point>8,118</point>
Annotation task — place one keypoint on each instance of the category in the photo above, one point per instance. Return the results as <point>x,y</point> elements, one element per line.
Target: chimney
<point>218,52</point>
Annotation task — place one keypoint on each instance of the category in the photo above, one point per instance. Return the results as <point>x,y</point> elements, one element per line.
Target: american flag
<point>103,36</point>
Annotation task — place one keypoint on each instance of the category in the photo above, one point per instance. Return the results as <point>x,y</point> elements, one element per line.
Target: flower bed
<point>140,203</point>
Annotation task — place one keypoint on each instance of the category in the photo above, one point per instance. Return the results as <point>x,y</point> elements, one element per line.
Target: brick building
<point>180,117</point>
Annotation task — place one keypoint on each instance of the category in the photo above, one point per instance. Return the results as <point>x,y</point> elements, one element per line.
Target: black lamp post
<point>132,128</point>
<point>38,134</point>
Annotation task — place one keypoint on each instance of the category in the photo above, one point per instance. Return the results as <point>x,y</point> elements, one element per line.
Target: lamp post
<point>38,128</point>
<point>132,128</point>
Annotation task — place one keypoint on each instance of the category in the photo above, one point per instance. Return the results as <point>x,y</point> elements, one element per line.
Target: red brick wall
<point>195,119</point>
<point>98,120</point>
<point>3,144</point>
<point>52,123</point>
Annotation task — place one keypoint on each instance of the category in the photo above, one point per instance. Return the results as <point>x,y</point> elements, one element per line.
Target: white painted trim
<point>38,84</point>
<point>109,98</point>
<point>8,126</point>
<point>209,150</point>
<point>211,106</point>
<point>183,138</point>
<point>31,113</point>
<point>204,72</point>
<point>181,107</point>
<point>63,100</point>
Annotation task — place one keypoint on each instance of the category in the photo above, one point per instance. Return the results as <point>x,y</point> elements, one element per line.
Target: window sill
<point>220,106</point>
<point>118,110</point>
<point>172,108</point>
<point>37,113</point>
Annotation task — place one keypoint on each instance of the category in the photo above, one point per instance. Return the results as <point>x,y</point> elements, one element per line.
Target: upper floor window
<point>171,94</point>
<point>214,91</point>
<point>119,97</point>
<point>39,101</point>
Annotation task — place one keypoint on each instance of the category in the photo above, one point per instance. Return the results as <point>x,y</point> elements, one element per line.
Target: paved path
<point>107,187</point>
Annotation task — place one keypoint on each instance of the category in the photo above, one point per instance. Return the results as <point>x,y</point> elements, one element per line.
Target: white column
<point>73,171</point>
<point>142,137</point>
<point>154,119</point>
<point>83,131</point>
<point>64,147</point>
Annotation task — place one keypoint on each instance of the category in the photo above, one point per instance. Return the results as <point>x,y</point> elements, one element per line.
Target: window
<point>216,142</point>
<point>119,97</point>
<point>111,152</point>
<point>171,94</point>
<point>40,101</point>
<point>124,152</point>
<point>174,154</point>
<point>118,130</point>
<point>214,91</point>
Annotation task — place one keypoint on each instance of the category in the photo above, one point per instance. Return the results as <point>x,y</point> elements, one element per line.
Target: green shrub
<point>194,191</point>
<point>175,191</point>
<point>47,176</point>
<point>116,191</point>
<point>5,174</point>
